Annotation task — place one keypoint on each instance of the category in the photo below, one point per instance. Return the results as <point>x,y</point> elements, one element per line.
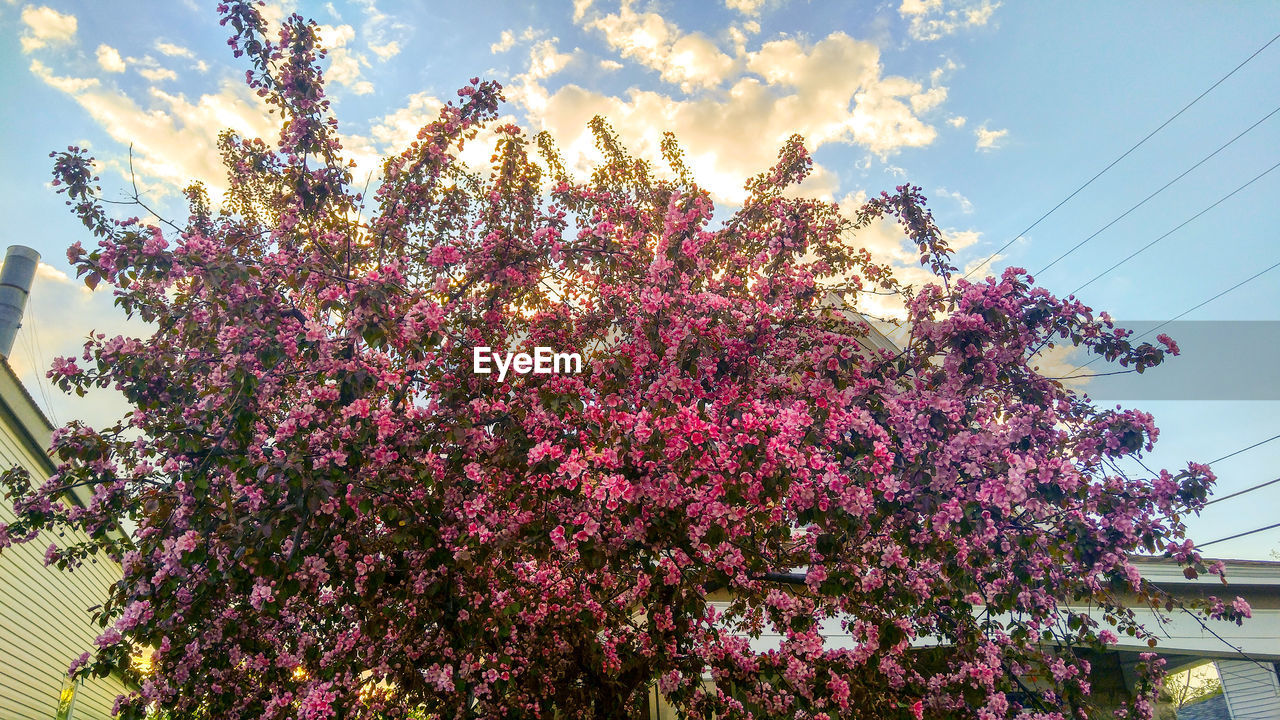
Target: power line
<point>28,339</point>
<point>1122,157</point>
<point>1259,486</point>
<point>1231,455</point>
<point>1180,225</point>
<point>38,379</point>
<point>1164,187</point>
<point>42,379</point>
<point>1247,490</point>
<point>1184,313</point>
<point>1238,535</point>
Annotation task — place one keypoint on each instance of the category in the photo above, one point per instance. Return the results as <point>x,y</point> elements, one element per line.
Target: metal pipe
<point>15,285</point>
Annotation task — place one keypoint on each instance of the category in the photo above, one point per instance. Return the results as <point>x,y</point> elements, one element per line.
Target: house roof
<point>1167,571</point>
<point>1210,708</point>
<point>33,427</point>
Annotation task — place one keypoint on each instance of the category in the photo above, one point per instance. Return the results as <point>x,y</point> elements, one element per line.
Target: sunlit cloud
<point>172,50</point>
<point>889,244</point>
<point>385,52</point>
<point>345,66</point>
<point>109,59</point>
<point>929,20</point>
<point>545,60</point>
<point>46,26</point>
<point>830,91</point>
<point>174,139</point>
<point>966,206</point>
<point>65,84</point>
<point>750,8</point>
<point>989,139</point>
<point>384,35</point>
<point>690,60</point>
<point>506,41</point>
<point>158,74</point>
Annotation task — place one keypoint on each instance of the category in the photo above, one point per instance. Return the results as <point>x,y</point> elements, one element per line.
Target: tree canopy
<point>330,515</point>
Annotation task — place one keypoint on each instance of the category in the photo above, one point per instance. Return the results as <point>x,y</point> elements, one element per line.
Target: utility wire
<point>1268,667</point>
<point>37,369</point>
<point>1122,157</point>
<point>1238,493</point>
<point>1265,667</point>
<point>1238,535</point>
<point>1259,486</point>
<point>1241,450</point>
<point>1184,313</point>
<point>1164,187</point>
<point>42,370</point>
<point>1180,225</point>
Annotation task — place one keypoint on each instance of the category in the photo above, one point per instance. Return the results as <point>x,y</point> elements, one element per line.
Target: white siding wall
<point>1252,690</point>
<point>44,619</point>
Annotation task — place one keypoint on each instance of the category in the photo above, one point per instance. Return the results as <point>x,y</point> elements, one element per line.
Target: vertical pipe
<point>15,285</point>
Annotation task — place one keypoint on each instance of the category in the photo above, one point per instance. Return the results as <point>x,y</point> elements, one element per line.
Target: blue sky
<point>998,110</point>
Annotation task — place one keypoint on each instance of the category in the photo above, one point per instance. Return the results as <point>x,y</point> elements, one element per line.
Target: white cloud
<point>394,132</point>
<point>545,60</point>
<point>45,271</point>
<point>746,7</point>
<point>610,65</point>
<point>383,33</point>
<point>174,139</point>
<point>919,7</point>
<point>888,244</point>
<point>738,39</point>
<point>981,14</point>
<point>820,184</point>
<point>580,8</point>
<point>109,59</point>
<point>173,50</point>
<point>1063,360</point>
<point>966,206</point>
<point>956,121</point>
<point>506,41</point>
<point>689,60</point>
<point>46,26</point>
<point>929,20</point>
<point>883,123</point>
<point>829,92</point>
<point>366,155</point>
<point>850,203</point>
<point>158,74</point>
<point>274,12</point>
<point>385,52</point>
<point>942,71</point>
<point>929,99</point>
<point>344,65</point>
<point>989,139</point>
<point>65,84</point>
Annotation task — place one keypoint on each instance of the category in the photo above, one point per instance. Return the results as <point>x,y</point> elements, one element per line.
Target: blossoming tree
<point>330,515</point>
